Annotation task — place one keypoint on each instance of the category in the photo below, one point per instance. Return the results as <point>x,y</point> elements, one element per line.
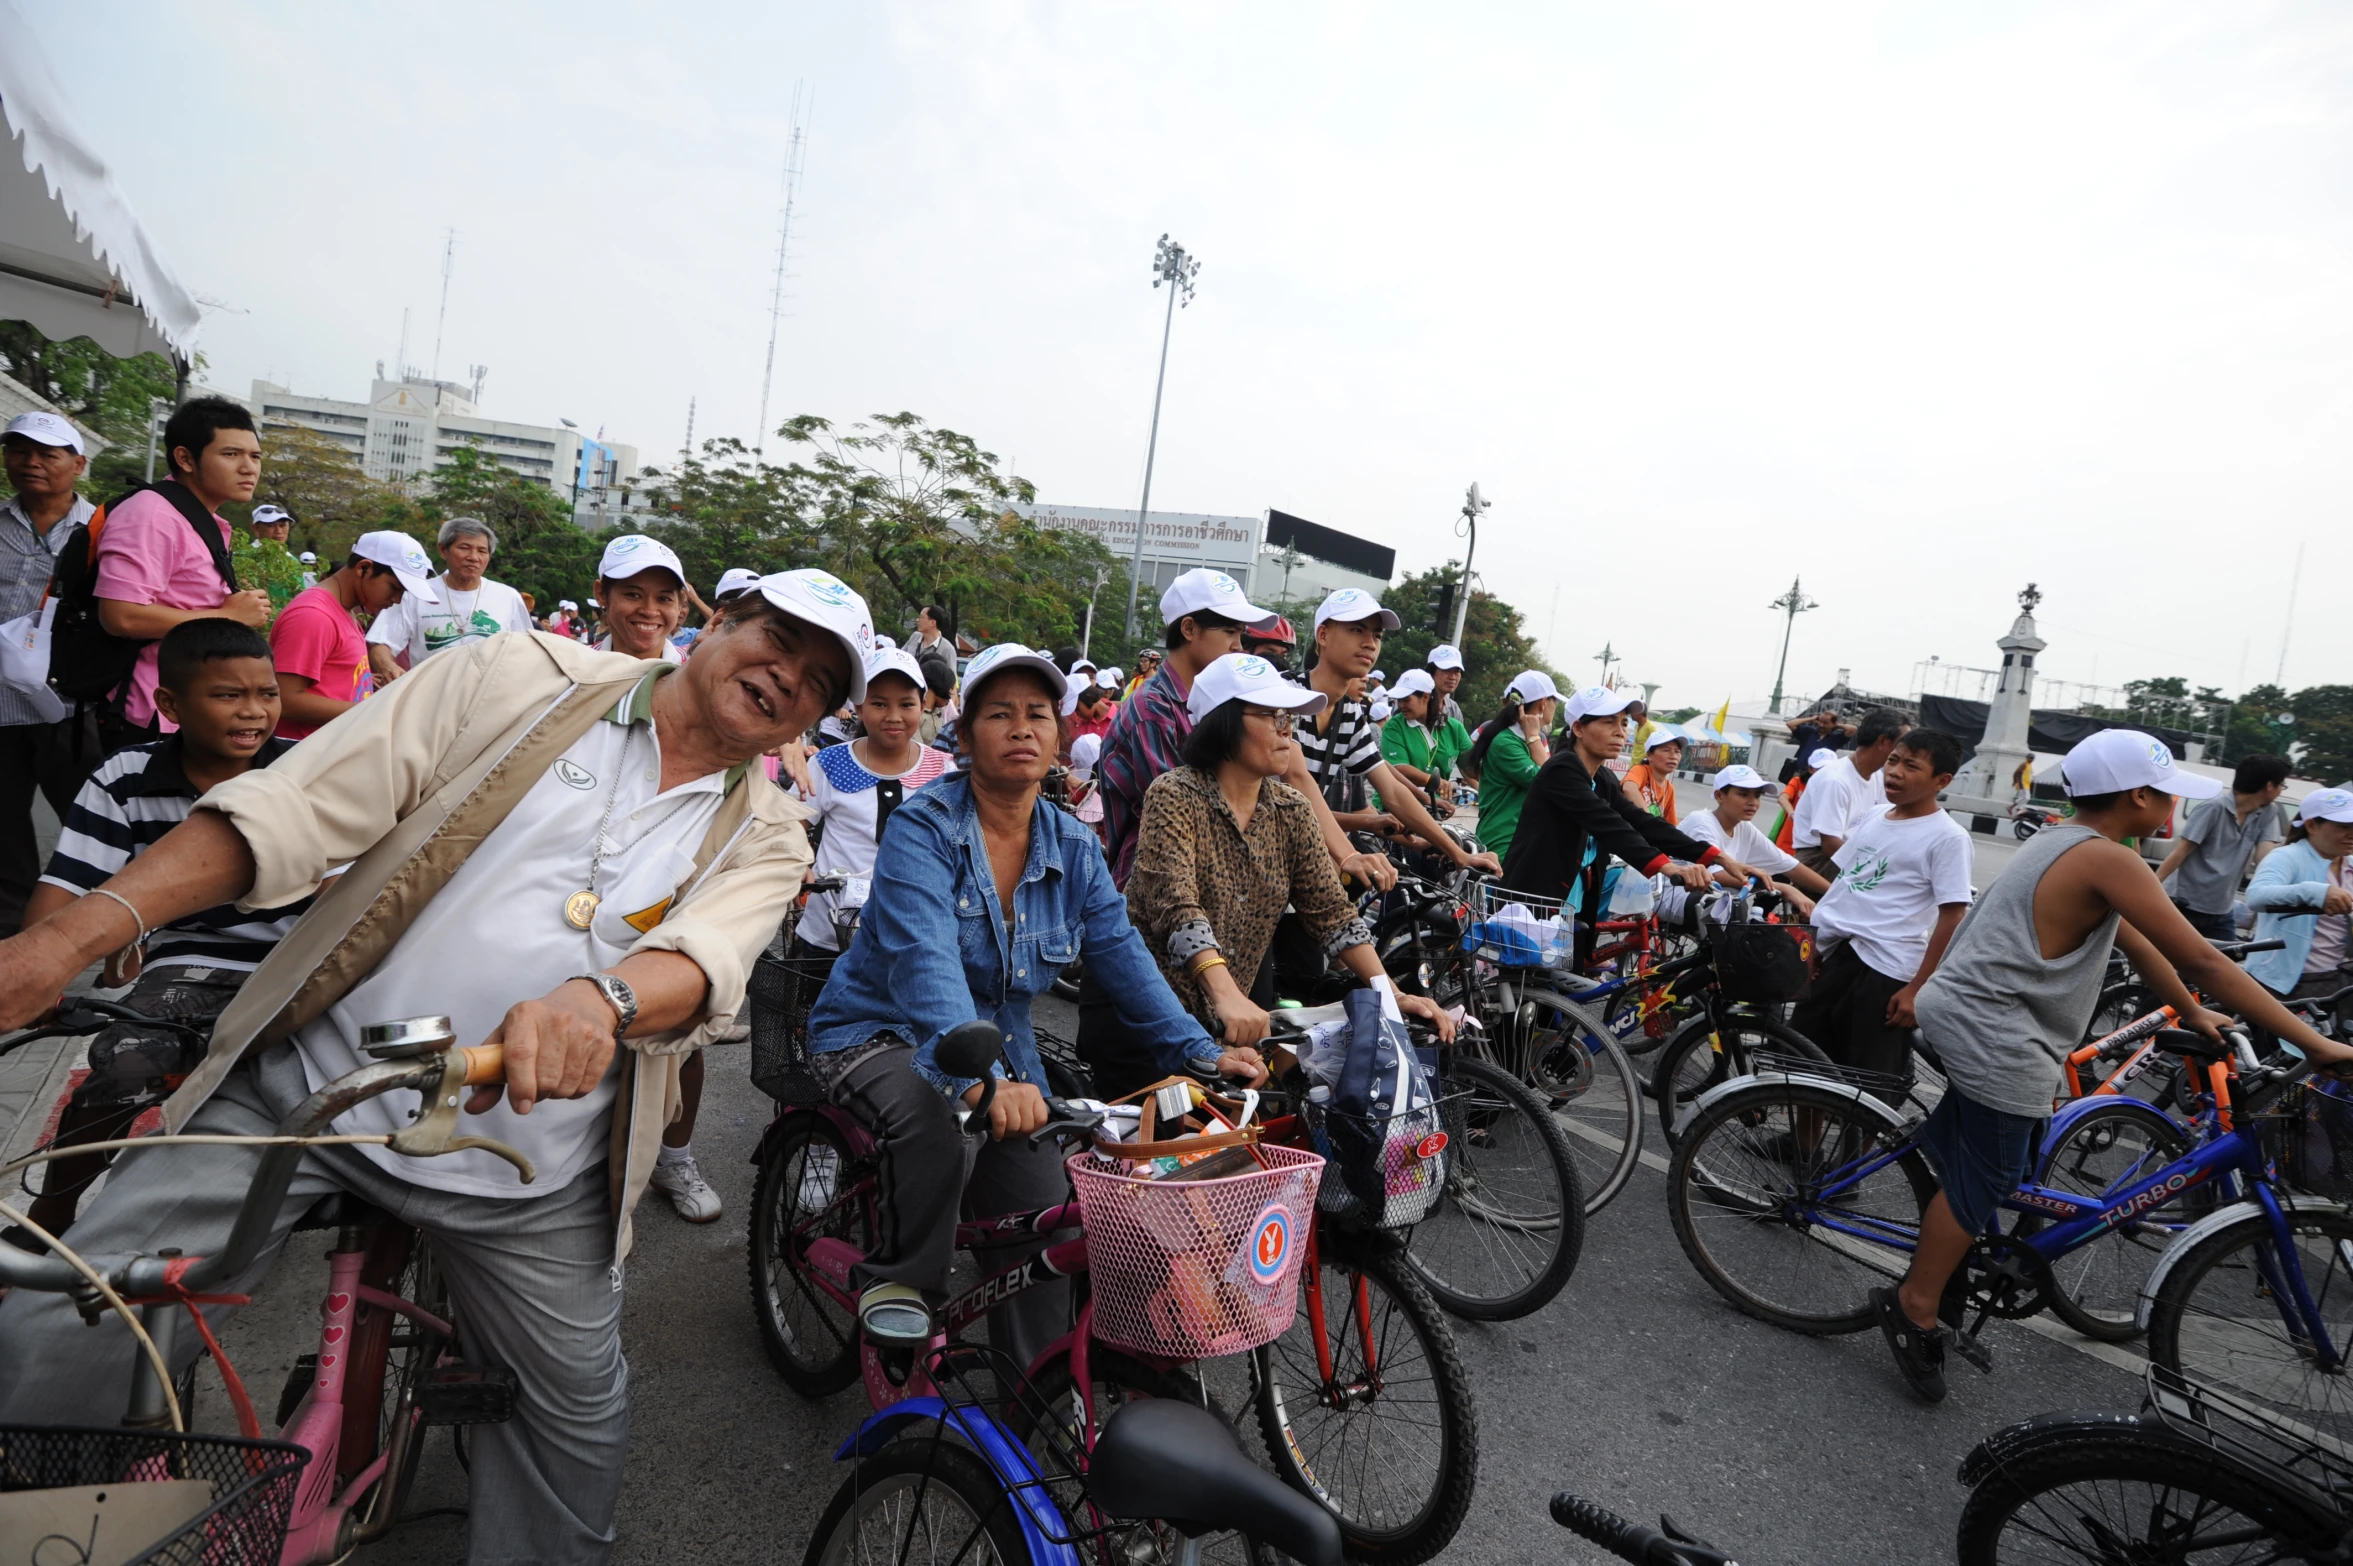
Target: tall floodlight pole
<point>1170,265</point>
<point>1792,603</point>
<point>1472,504</point>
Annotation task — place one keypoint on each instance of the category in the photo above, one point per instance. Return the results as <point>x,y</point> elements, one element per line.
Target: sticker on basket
<point>1270,1242</point>
<point>1431,1146</point>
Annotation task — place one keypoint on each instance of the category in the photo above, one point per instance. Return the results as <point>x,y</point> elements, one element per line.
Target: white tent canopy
<point>74,261</point>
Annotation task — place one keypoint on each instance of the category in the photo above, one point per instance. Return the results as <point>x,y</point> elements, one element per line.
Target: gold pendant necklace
<point>580,908</point>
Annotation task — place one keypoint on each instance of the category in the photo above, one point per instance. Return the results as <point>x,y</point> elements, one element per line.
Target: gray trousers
<point>929,1172</point>
<point>531,1283</point>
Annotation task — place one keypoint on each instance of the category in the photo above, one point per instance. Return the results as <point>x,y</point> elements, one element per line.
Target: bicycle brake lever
<point>430,1135</point>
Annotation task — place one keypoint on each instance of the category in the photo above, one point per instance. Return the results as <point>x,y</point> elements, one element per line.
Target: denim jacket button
<point>964,902</point>
<point>1021,973</point>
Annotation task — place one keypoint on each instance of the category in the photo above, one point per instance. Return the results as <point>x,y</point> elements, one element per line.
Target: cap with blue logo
<point>403,556</point>
<point>990,662</point>
<point>1353,604</point>
<point>1248,677</point>
<point>828,603</point>
<point>1203,591</point>
<point>2114,760</point>
<point>2326,804</point>
<point>631,553</point>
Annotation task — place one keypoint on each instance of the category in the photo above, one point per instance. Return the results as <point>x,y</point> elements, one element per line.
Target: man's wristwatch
<point>618,995</point>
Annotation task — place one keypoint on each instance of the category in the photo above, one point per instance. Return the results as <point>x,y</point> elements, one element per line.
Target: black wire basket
<point>782,986</point>
<point>237,1518</point>
<point>2309,1135</point>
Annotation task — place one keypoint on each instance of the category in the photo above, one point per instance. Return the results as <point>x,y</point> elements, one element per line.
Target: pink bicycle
<point>352,1416</point>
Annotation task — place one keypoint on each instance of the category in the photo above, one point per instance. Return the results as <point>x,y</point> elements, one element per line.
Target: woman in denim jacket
<point>983,892</point>
<point>2301,895</point>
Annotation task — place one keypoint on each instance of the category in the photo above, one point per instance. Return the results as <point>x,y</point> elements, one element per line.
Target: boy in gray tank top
<point>2016,989</point>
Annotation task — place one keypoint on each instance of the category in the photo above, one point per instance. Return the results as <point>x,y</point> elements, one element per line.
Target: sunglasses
<point>1283,721</point>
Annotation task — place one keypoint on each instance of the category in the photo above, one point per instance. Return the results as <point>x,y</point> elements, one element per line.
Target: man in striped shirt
<point>216,680</point>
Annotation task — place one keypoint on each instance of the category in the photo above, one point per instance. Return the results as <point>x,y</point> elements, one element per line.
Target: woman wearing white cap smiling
<point>1223,849</point>
<point>2303,895</point>
<point>641,588</point>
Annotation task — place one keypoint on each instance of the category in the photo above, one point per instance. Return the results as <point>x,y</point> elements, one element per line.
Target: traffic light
<point>1442,606</point>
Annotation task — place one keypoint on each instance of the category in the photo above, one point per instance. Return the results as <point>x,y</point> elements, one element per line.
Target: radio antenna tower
<point>784,231</point>
<point>686,452</point>
<point>448,255</point>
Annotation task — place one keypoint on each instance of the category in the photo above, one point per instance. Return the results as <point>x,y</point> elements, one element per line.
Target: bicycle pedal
<point>1966,1345</point>
<point>461,1394</point>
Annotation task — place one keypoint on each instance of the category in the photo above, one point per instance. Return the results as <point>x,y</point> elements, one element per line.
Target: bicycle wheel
<point>809,1187</point>
<point>2124,1494</point>
<point>2222,1317</point>
<point>1566,1054</point>
<point>1644,1024</point>
<point>1745,1193</point>
<point>919,1500</point>
<point>1512,1224</point>
<point>1705,1054</point>
<point>2118,1005</point>
<point>1116,1379</point>
<point>2097,1286</point>
<point>1389,1438</point>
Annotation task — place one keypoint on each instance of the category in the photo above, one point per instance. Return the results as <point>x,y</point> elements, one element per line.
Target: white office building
<point>410,426</point>
<point>1276,554</point>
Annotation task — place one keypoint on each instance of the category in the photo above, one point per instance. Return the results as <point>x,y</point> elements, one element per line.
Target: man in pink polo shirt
<point>155,571</point>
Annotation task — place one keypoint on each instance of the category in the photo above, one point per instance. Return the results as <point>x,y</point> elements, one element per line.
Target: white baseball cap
<point>566,603</point>
<point>1107,679</point>
<point>1413,682</point>
<point>1821,756</point>
<point>1085,751</point>
<point>1248,677</point>
<point>896,660</point>
<point>1381,711</point>
<point>404,556</point>
<point>633,553</point>
<point>46,429</point>
<point>992,661</point>
<point>1530,686</point>
<point>2114,760</point>
<point>1445,656</point>
<point>1664,734</point>
<point>818,597</point>
<point>1736,776</point>
<point>2326,804</point>
<point>265,516</point>
<point>1377,677</point>
<point>1203,591</point>
<point>1351,604</point>
<point>735,581</point>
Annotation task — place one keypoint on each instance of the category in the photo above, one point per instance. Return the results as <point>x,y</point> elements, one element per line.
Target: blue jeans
<point>1979,1154</point>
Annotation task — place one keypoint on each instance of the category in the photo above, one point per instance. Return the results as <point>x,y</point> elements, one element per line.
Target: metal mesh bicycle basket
<point>2309,1134</point>
<point>228,1506</point>
<point>1195,1269</point>
<point>781,987</point>
<point>1518,929</point>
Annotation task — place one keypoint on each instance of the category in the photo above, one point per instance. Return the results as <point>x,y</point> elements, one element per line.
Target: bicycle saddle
<point>1170,1460</point>
<point>2196,1046</point>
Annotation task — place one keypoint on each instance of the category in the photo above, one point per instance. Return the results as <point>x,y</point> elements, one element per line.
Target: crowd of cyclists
<point>412,795</point>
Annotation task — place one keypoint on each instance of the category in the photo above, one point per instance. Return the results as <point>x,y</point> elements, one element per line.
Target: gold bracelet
<point>1213,961</point>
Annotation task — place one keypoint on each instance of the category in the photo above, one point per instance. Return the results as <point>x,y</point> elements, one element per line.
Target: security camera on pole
<point>1473,503</point>
<point>1172,266</point>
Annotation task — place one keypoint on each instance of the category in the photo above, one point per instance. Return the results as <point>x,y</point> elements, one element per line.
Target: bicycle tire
<point>1119,1378</point>
<point>1600,1106</point>
<point>919,1500</point>
<point>1508,1233</point>
<point>1300,1426</point>
<point>2127,1485</point>
<point>1736,1177</point>
<point>1704,1054</point>
<point>2216,1321</point>
<point>411,1354</point>
<point>2119,1004</point>
<point>2096,1287</point>
<point>811,1340</point>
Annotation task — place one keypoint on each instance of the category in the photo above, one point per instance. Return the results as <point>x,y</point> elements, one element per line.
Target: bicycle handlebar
<point>1631,1541</point>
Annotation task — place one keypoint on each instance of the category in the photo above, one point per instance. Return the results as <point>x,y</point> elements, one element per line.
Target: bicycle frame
<point>2232,1157</point>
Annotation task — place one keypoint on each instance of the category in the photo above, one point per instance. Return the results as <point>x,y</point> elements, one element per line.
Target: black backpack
<point>88,662</point>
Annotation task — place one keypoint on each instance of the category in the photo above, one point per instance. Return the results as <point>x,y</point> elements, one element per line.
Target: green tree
<point>2255,728</point>
<point>541,551</point>
<point>1495,642</point>
<point>726,509</point>
<point>332,500</point>
<point>108,394</point>
<point>2324,727</point>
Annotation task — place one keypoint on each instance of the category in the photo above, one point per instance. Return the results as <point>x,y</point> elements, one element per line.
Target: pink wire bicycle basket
<point>1194,1269</point>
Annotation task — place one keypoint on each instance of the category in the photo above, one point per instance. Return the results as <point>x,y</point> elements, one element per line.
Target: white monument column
<point>2004,744</point>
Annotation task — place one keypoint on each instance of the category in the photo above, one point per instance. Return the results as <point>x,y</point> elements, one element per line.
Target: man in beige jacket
<point>570,853</point>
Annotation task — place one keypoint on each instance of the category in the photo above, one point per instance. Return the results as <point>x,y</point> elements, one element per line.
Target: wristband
<point>138,942</point>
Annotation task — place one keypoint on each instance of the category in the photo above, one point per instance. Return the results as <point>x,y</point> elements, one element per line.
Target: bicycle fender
<point>2237,1213</point>
<point>2064,1117</point>
<point>984,1435</point>
<point>1860,1097</point>
<point>2012,1442</point>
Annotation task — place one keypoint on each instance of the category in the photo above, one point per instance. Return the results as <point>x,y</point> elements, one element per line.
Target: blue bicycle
<point>1795,1189</point>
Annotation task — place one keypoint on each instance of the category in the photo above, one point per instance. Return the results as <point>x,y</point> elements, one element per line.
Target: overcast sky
<point>1918,301</point>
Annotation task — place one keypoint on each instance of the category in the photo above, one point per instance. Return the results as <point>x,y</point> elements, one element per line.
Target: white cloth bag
<point>24,661</point>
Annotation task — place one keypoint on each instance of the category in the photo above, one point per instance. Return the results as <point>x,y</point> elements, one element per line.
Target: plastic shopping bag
<point>24,661</point>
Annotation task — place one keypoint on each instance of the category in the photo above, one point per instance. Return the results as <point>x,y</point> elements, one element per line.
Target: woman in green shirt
<point>1451,739</point>
<point>1510,748</point>
<point>1406,741</point>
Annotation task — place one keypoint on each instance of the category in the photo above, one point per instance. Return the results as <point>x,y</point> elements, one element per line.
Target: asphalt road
<point>1637,1387</point>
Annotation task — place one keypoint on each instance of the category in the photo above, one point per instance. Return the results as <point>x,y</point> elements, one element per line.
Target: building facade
<point>410,426</point>
<point>1276,554</point>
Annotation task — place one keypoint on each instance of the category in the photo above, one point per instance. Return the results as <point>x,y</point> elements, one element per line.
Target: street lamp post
<point>1472,504</point>
<point>1170,265</point>
<point>1086,634</point>
<point>156,407</point>
<point>1793,603</point>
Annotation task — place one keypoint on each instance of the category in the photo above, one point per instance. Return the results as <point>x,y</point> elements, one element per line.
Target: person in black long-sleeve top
<point>1576,796</point>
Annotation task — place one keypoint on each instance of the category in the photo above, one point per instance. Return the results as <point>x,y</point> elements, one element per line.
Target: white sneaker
<point>688,1191</point>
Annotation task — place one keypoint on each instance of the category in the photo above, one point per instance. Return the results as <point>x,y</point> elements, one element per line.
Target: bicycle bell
<point>407,1036</point>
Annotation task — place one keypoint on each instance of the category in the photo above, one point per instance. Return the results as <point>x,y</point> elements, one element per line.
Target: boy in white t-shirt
<point>1903,884</point>
<point>853,789</point>
<point>1731,826</point>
